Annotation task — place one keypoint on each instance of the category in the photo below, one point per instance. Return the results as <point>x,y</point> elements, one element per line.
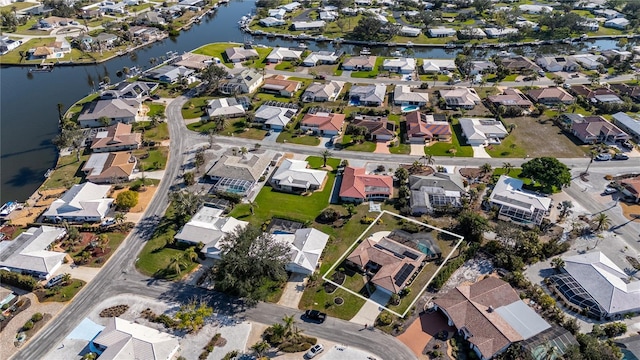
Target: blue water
<point>354,102</point>
<point>409,108</point>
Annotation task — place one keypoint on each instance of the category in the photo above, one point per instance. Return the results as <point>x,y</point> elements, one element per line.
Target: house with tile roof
<point>116,110</point>
<point>109,168</point>
<point>378,128</point>
<point>512,99</point>
<point>117,137</point>
<point>405,95</point>
<point>306,246</point>
<point>29,252</point>
<point>86,202</point>
<point>520,64</point>
<point>130,90</point>
<point>123,339</point>
<point>294,176</point>
<point>359,63</point>
<point>551,96</point>
<point>320,92</point>
<point>594,129</point>
<point>240,54</point>
<point>425,128</point>
<point>388,263</point>
<point>239,173</point>
<point>358,186</point>
<point>490,315</point>
<point>280,85</point>
<point>323,123</point>
<point>436,192</point>
<point>460,98</point>
<point>210,227</point>
<point>516,204</point>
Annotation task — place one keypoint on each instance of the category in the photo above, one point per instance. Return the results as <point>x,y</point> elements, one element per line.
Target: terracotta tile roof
<point>116,165</point>
<point>632,185</point>
<point>356,184</point>
<point>417,126</point>
<point>280,82</point>
<point>117,135</point>
<point>510,97</point>
<point>376,126</point>
<point>550,93</point>
<point>324,121</point>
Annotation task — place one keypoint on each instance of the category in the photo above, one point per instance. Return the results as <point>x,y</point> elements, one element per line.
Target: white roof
<point>224,106</point>
<point>402,63</point>
<point>369,93</point>
<point>508,191</point>
<point>441,30</point>
<point>306,247</point>
<point>439,63</point>
<point>280,53</point>
<point>460,96</point>
<point>295,173</point>
<point>403,93</point>
<point>29,250</point>
<point>316,56</point>
<point>127,340</point>
<point>617,21</point>
<point>209,226</point>
<point>270,21</point>
<point>274,115</point>
<point>320,90</point>
<point>84,200</point>
<point>280,12</point>
<point>633,125</point>
<point>523,319</point>
<point>96,163</point>
<point>308,24</point>
<point>605,282</point>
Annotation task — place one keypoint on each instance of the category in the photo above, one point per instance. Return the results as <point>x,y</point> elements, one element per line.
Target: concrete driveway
<point>480,152</point>
<point>372,308</point>
<point>293,291</point>
<point>382,147</point>
<point>325,142</point>
<point>417,149</point>
<point>271,136</point>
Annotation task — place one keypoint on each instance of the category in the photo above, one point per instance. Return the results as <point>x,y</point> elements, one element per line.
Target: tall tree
<point>213,75</point>
<point>507,167</point>
<point>486,168</point>
<point>325,155</point>
<point>472,225</point>
<point>565,208</point>
<point>185,204</point>
<point>260,348</point>
<point>402,175</point>
<point>548,171</point>
<point>602,221</point>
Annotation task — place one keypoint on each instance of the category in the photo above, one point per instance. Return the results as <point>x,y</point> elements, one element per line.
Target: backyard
<point>66,173</point>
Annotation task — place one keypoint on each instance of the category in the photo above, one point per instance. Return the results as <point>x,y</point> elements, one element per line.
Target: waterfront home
<point>7,44</point>
<point>379,128</point>
<point>126,339</point>
<point>323,123</point>
<point>438,191</point>
<point>482,67</point>
<point>130,90</point>
<point>464,98</point>
<point>535,9</point>
<point>479,131</point>
<point>170,73</point>
<point>320,92</point>
<point>520,64</point>
<point>53,50</point>
<point>589,61</point>
<point>628,124</point>
<point>607,13</point>
<point>495,33</point>
<point>405,95</point>
<point>425,128</point>
<point>471,33</point>
<point>306,247</point>
<point>513,100</point>
<point>86,202</point>
<point>274,115</point>
<point>308,25</point>
<point>328,15</point>
<point>279,54</point>
<point>322,58</point>
<point>210,227</point>
<point>30,253</point>
<point>238,173</point>
<point>490,315</point>
<point>400,65</point>
<point>277,13</point>
<point>146,33</point>
<point>240,54</point>
<point>551,96</point>
<point>291,6</point>
<point>441,31</point>
<point>106,39</point>
<point>150,18</point>
<point>246,82</point>
<point>281,86</point>
<point>107,112</point>
<point>378,258</point>
<point>193,61</point>
<point>557,63</point>
<point>431,66</point>
<point>117,137</point>
<point>358,186</point>
<point>294,176</point>
<point>359,63</point>
<point>109,168</point>
<point>593,129</point>
<point>615,54</point>
<point>517,205</point>
<point>367,95</point>
<point>409,31</point>
<point>617,23</point>
<point>271,21</point>
<point>227,107</point>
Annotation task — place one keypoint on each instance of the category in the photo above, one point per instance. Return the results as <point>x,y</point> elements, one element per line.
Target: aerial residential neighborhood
<point>330,180</point>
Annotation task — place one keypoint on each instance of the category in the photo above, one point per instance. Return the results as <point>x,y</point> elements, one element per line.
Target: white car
<point>610,190</point>
<point>315,350</point>
<point>108,222</point>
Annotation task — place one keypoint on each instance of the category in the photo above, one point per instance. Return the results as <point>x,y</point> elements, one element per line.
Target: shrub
<point>24,282</point>
<point>329,215</point>
<point>615,329</point>
<point>384,318</point>
<point>36,317</point>
<point>27,326</point>
<point>127,199</point>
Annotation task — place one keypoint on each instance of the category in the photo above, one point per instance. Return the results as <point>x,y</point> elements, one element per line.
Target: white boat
<point>8,207</point>
<point>302,45</point>
<point>409,44</point>
<point>397,53</point>
<point>365,51</point>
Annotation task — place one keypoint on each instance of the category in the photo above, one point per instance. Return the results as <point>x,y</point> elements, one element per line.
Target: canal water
<point>28,102</point>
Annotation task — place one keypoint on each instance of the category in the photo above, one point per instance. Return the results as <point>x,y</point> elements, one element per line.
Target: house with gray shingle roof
<point>28,253</point>
<point>239,173</point>
<point>368,95</point>
<point>117,110</point>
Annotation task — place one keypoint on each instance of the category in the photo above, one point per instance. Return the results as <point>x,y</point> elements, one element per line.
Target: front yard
<point>453,148</point>
<point>154,158</point>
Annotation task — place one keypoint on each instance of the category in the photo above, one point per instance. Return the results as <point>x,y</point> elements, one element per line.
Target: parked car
<point>603,157</point>
<point>627,145</point>
<point>54,281</point>
<point>315,315</point>
<point>609,190</point>
<point>315,350</point>
<point>108,222</point>
<point>620,156</point>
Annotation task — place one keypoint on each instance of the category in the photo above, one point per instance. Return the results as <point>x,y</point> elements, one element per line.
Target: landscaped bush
<point>36,317</point>
<point>24,282</point>
<point>384,318</point>
<point>27,326</point>
<point>303,343</point>
<point>614,329</point>
<point>114,311</point>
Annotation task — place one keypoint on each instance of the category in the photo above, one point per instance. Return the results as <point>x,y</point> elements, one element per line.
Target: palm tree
<point>325,155</point>
<point>507,166</point>
<point>260,348</point>
<point>191,254</point>
<point>120,217</point>
<point>175,265</point>
<point>486,168</point>
<point>592,155</point>
<point>428,159</point>
<point>66,278</point>
<point>557,263</point>
<point>565,208</point>
<point>289,322</point>
<point>252,207</point>
<point>243,150</point>
<point>602,221</point>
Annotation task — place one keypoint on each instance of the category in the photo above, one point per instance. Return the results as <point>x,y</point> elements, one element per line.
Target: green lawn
<point>367,146</point>
<point>158,133</point>
<point>155,109</point>
<point>67,172</point>
<point>289,137</point>
<point>217,50</point>
<point>64,294</point>
<point>18,5</point>
<point>400,149</point>
<point>195,108</point>
<point>303,208</point>
<point>157,159</point>
<point>508,148</point>
<point>369,74</point>
<point>444,148</point>
<point>285,66</point>
<point>259,63</point>
<point>13,57</point>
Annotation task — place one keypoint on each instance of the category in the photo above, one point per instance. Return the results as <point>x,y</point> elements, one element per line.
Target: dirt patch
<point>543,139</point>
<point>630,211</point>
<point>473,173</point>
<point>144,197</point>
<point>8,231</point>
<point>423,171</point>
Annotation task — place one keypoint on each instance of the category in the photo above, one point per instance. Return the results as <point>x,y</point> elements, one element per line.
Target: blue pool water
<point>409,108</point>
<point>354,102</point>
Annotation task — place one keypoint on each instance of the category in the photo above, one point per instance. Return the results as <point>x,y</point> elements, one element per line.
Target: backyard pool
<point>354,102</point>
<point>409,108</point>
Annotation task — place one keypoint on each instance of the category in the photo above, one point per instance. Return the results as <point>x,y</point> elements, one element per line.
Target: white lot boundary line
<point>350,249</point>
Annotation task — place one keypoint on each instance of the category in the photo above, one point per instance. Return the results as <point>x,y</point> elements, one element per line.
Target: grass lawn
<point>259,63</point>
<point>508,148</point>
<point>13,57</point>
<point>367,146</point>
<point>303,208</point>
<point>158,133</point>
<point>155,257</point>
<point>369,74</point>
<point>285,66</point>
<point>77,107</point>
<point>289,137</point>
<point>66,173</point>
<point>195,108</point>
<point>444,148</point>
<point>217,50</point>
<point>140,7</point>
<point>157,159</point>
<point>155,109</point>
<point>314,297</point>
<point>65,293</point>
<point>400,149</point>
<point>18,5</point>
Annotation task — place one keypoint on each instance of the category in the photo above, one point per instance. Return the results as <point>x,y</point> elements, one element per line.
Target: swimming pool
<point>409,108</point>
<point>354,102</point>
